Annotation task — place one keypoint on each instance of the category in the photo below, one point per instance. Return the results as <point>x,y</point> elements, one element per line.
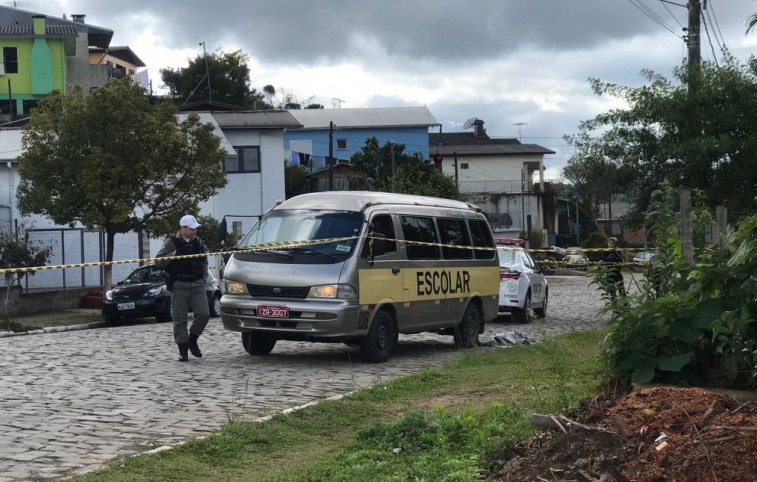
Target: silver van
<point>360,268</point>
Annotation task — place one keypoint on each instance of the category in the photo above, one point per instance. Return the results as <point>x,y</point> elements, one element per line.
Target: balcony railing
<point>499,187</point>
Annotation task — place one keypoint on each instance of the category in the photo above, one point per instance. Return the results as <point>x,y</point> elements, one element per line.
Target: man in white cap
<point>187,278</point>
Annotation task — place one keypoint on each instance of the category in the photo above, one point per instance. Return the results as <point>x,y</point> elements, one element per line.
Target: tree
<point>751,22</point>
<point>111,161</point>
<point>286,99</point>
<point>16,251</point>
<point>229,80</point>
<point>652,136</point>
<point>295,180</point>
<point>410,174</point>
<point>594,176</point>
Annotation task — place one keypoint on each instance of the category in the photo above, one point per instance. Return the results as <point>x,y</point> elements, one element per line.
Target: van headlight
<point>234,288</point>
<point>109,295</point>
<point>339,291</point>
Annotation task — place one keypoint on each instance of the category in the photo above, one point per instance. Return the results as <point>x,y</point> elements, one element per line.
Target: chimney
<point>39,22</point>
<point>478,129</point>
<point>77,17</point>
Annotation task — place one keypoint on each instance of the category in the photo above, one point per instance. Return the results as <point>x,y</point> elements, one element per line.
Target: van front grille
<point>260,291</point>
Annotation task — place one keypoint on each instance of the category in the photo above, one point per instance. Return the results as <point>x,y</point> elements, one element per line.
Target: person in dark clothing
<point>613,258</point>
<point>186,281</point>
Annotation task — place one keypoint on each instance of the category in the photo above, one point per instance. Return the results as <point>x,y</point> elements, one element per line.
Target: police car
<point>522,284</point>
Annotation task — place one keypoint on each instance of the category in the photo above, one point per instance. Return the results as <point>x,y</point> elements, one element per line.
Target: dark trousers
<point>186,295</point>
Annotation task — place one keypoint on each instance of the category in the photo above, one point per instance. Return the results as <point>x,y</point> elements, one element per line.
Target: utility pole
<point>330,160</point>
<point>207,70</point>
<point>693,41</point>
<point>454,154</point>
<point>391,148</point>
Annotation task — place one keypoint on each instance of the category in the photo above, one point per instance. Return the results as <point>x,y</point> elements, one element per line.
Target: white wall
<point>251,194</point>
<point>489,168</point>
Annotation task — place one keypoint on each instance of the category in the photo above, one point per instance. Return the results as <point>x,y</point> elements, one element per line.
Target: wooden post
<point>687,244</point>
<point>721,217</point>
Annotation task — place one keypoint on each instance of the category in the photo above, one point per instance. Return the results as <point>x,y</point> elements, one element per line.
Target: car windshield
<point>149,274</point>
<point>307,225</point>
<point>507,257</point>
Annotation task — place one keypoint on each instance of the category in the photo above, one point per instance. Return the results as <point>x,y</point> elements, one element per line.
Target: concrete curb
<point>53,329</point>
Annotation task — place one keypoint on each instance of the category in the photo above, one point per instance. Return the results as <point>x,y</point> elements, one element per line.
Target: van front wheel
<point>257,343</point>
<point>379,344</point>
<point>466,333</point>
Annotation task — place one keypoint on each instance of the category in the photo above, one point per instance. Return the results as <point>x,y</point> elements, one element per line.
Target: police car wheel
<point>257,343</point>
<point>379,344</point>
<point>542,312</point>
<point>466,333</point>
<point>521,315</point>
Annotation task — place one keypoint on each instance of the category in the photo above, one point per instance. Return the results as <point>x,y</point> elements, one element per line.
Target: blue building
<point>352,127</point>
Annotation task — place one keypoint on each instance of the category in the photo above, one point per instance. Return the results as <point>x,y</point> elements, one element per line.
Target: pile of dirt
<point>651,435</point>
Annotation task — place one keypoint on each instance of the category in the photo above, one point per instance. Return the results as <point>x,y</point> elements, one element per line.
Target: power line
<point>671,14</point>
<point>717,25</point>
<point>709,40</point>
<point>646,10</point>
<point>721,45</point>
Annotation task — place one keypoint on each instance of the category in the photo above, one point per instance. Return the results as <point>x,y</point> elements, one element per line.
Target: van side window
<point>453,231</point>
<point>482,238</point>
<point>382,224</point>
<point>416,228</point>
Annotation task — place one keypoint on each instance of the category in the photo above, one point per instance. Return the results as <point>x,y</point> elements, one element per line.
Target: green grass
<point>444,421</point>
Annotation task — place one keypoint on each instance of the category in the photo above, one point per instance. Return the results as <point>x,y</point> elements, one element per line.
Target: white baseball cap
<point>189,221</point>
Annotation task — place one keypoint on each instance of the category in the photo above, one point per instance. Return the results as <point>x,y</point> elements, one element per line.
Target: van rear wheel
<point>379,344</point>
<point>257,343</point>
<point>466,333</point>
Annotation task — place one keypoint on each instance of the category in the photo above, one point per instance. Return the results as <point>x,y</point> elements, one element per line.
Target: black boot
<point>183,356</point>
<point>193,346</point>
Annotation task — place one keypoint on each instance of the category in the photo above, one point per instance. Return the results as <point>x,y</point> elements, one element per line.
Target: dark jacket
<point>186,269</point>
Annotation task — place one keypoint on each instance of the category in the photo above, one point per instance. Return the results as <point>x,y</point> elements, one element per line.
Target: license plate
<point>273,311</point>
<point>126,306</point>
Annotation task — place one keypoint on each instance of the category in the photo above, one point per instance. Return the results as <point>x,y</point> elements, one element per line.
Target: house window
<point>341,144</point>
<point>463,165</point>
<point>248,160</point>
<point>10,60</point>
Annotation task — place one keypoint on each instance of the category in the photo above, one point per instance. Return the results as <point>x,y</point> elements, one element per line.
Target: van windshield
<point>307,225</point>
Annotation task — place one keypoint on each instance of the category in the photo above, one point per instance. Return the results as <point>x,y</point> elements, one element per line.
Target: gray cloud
<point>526,60</point>
<point>444,30</point>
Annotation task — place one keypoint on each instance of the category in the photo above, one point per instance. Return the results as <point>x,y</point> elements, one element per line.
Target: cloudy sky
<point>520,65</point>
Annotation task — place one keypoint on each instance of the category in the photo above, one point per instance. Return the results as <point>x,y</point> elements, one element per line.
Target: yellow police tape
<point>270,246</point>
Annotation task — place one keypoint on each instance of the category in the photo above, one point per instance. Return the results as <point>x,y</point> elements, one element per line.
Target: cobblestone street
<point>74,400</point>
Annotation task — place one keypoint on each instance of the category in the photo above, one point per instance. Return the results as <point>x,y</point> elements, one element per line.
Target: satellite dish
<point>469,123</point>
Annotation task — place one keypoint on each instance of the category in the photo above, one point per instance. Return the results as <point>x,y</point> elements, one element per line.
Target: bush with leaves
<point>17,251</point>
<point>689,325</point>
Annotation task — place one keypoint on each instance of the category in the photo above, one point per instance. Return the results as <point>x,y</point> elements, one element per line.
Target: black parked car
<point>143,294</point>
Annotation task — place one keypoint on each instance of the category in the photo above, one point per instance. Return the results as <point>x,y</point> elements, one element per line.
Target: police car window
<point>420,229</point>
<point>454,232</point>
<point>529,261</point>
<point>382,224</point>
<point>482,238</point>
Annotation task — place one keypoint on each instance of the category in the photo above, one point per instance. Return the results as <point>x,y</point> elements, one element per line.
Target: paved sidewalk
<point>56,321</point>
<point>74,401</point>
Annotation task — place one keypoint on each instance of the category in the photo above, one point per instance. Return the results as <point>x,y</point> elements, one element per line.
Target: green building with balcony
<point>41,54</point>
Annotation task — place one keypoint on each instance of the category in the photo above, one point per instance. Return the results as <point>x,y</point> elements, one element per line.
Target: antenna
<point>336,102</point>
<point>519,124</point>
<point>469,123</point>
